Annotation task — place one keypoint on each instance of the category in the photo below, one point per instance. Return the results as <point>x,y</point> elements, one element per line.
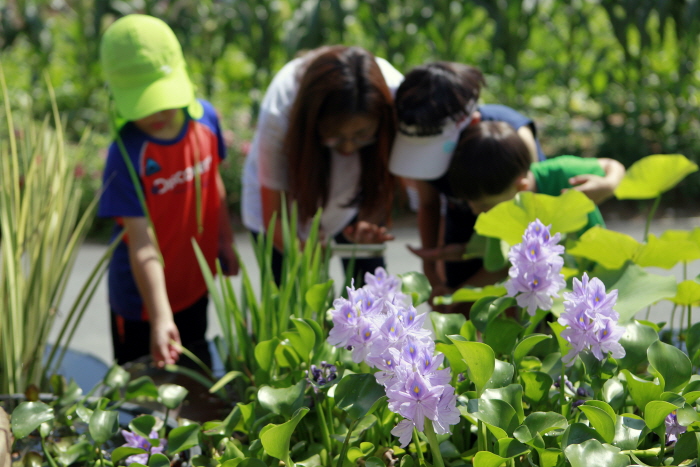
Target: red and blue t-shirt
<point>166,171</point>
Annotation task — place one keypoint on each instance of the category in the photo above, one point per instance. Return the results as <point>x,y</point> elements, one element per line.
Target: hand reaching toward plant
<point>165,342</point>
<point>450,252</point>
<point>366,232</point>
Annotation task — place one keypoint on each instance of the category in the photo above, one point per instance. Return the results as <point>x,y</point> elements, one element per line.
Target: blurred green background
<point>601,78</point>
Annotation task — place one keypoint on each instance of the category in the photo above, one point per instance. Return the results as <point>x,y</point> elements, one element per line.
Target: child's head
<point>489,165</point>
<point>343,104</point>
<point>144,68</point>
<point>434,103</point>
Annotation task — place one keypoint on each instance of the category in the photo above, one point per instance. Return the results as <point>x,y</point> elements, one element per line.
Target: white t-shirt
<point>266,163</point>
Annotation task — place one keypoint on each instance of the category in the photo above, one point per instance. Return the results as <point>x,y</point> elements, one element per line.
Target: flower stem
<point>324,429</point>
<point>433,442</point>
<point>419,451</point>
<point>562,392</point>
<point>652,211</point>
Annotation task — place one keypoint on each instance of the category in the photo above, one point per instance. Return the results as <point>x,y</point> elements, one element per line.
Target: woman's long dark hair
<point>339,80</point>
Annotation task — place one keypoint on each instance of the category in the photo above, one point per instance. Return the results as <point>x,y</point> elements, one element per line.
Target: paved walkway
<point>93,335</point>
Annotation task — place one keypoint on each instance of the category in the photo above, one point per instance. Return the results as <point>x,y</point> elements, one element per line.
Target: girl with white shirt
<point>325,131</point>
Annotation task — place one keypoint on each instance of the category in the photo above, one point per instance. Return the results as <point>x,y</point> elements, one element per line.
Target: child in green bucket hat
<point>162,186</point>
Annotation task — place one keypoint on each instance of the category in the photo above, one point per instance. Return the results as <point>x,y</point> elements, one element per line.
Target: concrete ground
<point>93,334</point>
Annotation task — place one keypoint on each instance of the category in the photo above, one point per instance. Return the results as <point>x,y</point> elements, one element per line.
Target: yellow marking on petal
<point>416,389</point>
<point>532,252</point>
<point>605,333</point>
<point>368,333</point>
<point>411,350</point>
<point>388,362</point>
<point>392,329</point>
<point>535,282</point>
<point>349,315</point>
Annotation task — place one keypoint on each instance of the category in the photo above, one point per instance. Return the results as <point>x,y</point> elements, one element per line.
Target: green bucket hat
<point>143,65</point>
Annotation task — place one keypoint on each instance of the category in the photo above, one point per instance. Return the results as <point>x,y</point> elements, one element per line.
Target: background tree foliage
<point>608,78</point>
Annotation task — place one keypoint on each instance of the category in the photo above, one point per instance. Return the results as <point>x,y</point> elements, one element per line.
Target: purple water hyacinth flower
<point>536,262</point>
<point>413,397</point>
<point>134,440</point>
<point>382,284</point>
<point>673,428</point>
<point>591,321</point>
<point>448,413</point>
<point>346,319</point>
<point>404,431</point>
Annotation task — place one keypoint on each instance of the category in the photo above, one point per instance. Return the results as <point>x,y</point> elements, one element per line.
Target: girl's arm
<point>429,226</point>
<point>150,280</point>
<point>271,203</point>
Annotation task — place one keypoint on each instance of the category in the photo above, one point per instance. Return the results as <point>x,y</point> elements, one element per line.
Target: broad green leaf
<point>116,377</point>
<point>693,343</point>
<point>687,415</point>
<point>577,433</point>
<point>303,339</point>
<point>653,175</point>
<point>501,335</point>
<point>27,417</point>
<point>265,353</point>
<point>416,286</point>
<point>122,452</point>
<point>171,395</point>
<point>686,447</point>
<point>479,358</point>
<point>374,462</point>
<point>608,248</point>
<point>628,428</point>
<point>604,406</point>
<point>536,385</point>
<point>317,296</point>
<point>357,394</point>
<point>453,356</point>
<point>641,391</point>
<point>688,294</point>
<point>638,289</point>
<point>143,425</point>
<point>614,393</point>
<point>158,460</point>
<point>592,452</point>
<point>445,324</point>
<point>508,220</point>
<point>142,386</point>
<point>512,394</point>
<point>636,340</point>
<point>183,438</point>
<point>275,438</point>
<point>489,459</point>
<point>672,364</point>
<point>365,449</point>
<point>502,375</point>
<point>499,414</point>
<point>283,401</point>
<point>564,345</point>
<point>103,425</point>
<point>488,309</point>
<point>600,421</point>
<point>666,253</point>
<point>545,422</point>
<point>510,448</point>
<point>472,294</point>
<point>523,348</point>
<point>655,413</point>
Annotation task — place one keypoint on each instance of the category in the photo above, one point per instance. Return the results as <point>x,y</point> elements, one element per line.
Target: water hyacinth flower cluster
<point>382,328</point>
<point>591,322</point>
<point>535,273</point>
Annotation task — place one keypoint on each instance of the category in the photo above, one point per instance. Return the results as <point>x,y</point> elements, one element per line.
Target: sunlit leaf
<point>592,452</point>
<point>27,417</point>
<point>275,438</point>
<point>606,247</point>
<point>416,286</point>
<point>688,293</point>
<point>672,364</point>
<point>653,175</point>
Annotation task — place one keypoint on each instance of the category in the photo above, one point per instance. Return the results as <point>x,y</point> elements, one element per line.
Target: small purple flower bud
<point>461,378</point>
<point>582,392</point>
<point>577,403</point>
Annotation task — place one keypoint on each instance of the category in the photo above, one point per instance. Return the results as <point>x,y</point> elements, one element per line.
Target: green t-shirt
<point>552,176</point>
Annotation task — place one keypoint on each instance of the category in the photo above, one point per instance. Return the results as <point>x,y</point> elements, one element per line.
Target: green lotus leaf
<point>608,248</point>
<point>666,252</point>
<point>688,293</point>
<point>654,175</point>
<point>637,289</point>
<point>508,220</point>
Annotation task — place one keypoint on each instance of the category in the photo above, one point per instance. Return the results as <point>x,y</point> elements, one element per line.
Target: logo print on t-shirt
<point>152,167</point>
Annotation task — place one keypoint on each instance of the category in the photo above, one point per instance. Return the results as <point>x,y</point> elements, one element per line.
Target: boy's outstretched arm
<point>598,188</point>
<point>150,280</point>
<point>226,254</point>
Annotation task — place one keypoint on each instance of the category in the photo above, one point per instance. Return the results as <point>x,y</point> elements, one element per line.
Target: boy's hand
<point>450,252</point>
<point>597,188</point>
<point>366,232</point>
<point>163,351</point>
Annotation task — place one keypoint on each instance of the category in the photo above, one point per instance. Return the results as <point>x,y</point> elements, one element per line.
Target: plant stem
<point>433,442</point>
<point>653,209</point>
<point>419,451</point>
<point>324,429</point>
<point>346,443</point>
